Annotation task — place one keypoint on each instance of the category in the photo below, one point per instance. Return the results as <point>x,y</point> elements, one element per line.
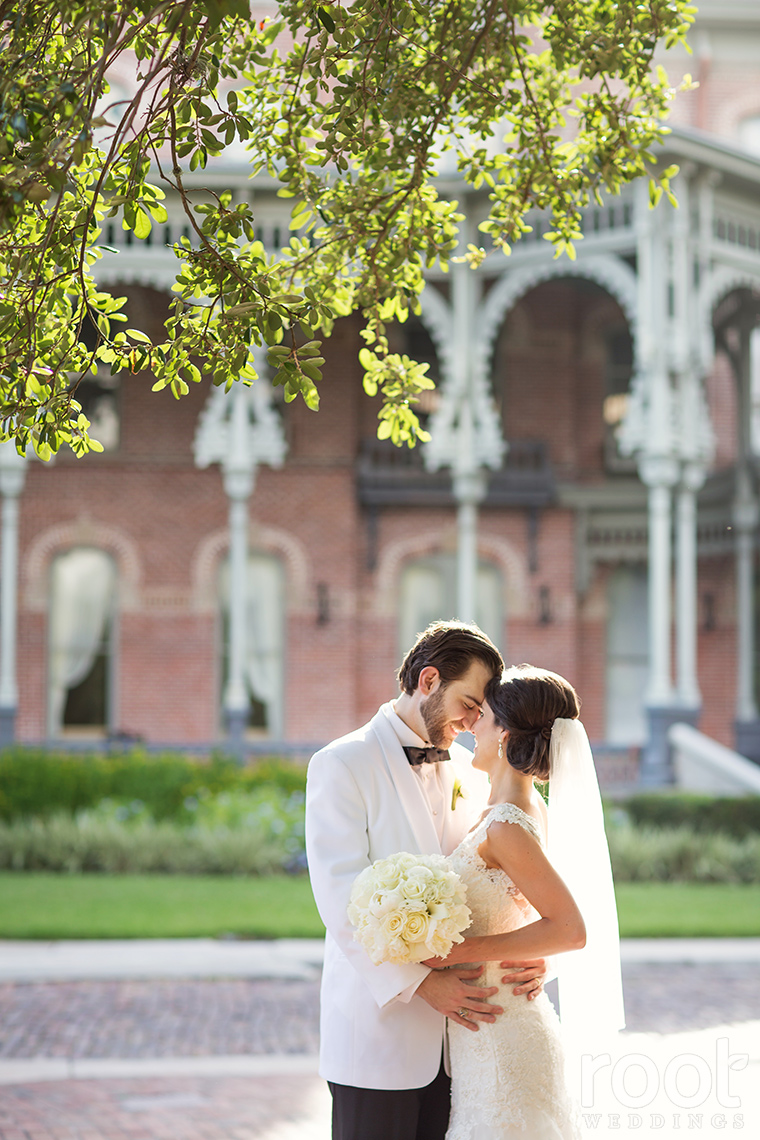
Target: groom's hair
<point>451,647</point>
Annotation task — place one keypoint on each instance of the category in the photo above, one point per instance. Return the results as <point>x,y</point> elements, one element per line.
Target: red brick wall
<point>157,511</point>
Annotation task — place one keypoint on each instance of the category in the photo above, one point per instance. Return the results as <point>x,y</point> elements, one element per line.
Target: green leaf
<point>142,226</point>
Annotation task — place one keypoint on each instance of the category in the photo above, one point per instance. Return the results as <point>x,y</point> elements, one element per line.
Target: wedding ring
<point>463,1012</point>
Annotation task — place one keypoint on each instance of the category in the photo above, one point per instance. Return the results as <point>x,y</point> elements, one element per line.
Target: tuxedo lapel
<point>408,787</point>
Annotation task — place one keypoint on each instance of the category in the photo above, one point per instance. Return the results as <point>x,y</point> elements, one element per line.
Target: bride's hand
<point>461,952</point>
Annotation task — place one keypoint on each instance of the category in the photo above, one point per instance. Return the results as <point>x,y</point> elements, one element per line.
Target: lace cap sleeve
<point>511,813</point>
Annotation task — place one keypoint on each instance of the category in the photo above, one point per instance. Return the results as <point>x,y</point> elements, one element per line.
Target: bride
<point>509,1079</point>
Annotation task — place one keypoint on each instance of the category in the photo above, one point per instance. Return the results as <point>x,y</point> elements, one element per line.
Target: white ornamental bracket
<point>239,430</point>
<point>465,429</point>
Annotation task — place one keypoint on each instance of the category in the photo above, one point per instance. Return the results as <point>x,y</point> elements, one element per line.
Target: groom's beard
<point>434,716</point>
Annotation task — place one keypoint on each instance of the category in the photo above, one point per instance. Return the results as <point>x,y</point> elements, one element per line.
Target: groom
<point>380,790</point>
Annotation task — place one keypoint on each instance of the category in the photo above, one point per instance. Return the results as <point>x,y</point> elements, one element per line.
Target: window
<point>81,630</point>
<point>619,368</point>
<point>99,395</point>
<point>265,632</point>
<point>627,656</point>
<point>428,593</point>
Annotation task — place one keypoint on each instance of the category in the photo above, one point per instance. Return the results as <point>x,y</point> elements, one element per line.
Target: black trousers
<point>392,1114</point>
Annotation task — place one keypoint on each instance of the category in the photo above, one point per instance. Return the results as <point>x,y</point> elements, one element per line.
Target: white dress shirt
<point>429,775</point>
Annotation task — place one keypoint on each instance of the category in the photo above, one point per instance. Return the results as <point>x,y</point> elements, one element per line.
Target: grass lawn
<point>689,910</point>
<point>176,906</point>
<point>155,906</point>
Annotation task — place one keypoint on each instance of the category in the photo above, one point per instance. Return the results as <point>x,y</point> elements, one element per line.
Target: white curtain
<point>265,626</point>
<point>422,601</point>
<point>81,604</point>
<point>428,593</point>
<point>627,656</point>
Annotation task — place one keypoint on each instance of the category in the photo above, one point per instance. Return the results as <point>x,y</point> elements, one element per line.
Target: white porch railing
<point>703,765</point>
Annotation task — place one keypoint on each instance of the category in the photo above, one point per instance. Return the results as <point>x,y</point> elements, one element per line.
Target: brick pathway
<point>143,1019</point>
<point>667,998</point>
<point>224,1108</point>
<point>219,1018</point>
<point>158,1019</point>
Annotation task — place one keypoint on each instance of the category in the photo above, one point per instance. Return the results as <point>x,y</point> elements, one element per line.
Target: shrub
<point>656,854</point>
<point>63,843</point>
<point>249,833</point>
<point>735,815</point>
<point>37,783</point>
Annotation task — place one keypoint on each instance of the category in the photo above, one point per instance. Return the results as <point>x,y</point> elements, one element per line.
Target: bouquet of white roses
<point>407,908</point>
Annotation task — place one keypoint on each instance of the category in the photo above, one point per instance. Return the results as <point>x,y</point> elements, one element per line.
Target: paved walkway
<point>197,1040</point>
<point>284,958</point>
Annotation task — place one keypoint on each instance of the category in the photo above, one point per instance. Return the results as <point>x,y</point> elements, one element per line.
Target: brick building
<point>613,408</point>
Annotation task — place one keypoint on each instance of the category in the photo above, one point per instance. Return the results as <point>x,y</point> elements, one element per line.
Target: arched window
<point>99,395</point>
<point>428,593</point>
<point>627,655</point>
<point>265,638</point>
<point>81,639</point>
<point>617,382</point>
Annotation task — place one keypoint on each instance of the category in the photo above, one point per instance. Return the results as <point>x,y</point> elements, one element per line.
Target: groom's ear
<point>429,680</point>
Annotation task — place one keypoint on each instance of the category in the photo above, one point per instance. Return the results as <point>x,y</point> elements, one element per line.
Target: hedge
<point>98,841</point>
<point>66,844</point>
<point>733,815</point>
<point>35,783</point>
<point>680,854</point>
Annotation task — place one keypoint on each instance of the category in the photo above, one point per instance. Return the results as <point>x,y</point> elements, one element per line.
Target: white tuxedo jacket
<point>364,802</point>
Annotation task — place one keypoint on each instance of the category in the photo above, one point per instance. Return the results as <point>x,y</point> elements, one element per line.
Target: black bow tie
<point>425,755</point>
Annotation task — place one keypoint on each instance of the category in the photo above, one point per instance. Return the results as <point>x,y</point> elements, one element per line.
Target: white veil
<point>590,984</point>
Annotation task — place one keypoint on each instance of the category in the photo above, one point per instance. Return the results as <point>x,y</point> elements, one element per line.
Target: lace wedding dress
<point>508,1079</point>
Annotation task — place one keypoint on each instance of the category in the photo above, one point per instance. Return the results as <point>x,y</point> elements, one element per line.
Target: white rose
<point>415,885</point>
<point>386,874</point>
<point>393,924</point>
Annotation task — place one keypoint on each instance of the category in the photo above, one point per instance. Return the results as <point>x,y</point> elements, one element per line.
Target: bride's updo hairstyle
<point>526,701</point>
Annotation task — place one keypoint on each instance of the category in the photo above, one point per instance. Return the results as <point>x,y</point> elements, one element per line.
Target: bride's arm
<point>561,925</point>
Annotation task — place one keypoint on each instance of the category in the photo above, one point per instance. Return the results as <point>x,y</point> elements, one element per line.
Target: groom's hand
<point>452,993</point>
<point>529,976</point>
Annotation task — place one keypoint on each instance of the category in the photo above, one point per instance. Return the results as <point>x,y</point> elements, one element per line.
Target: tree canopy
<point>350,107</point>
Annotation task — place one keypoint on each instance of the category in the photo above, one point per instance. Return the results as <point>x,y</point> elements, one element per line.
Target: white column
<point>659,475</point>
<point>12,476</point>
<point>469,481</point>
<point>469,491</point>
<point>238,470</point>
<point>692,478</point>
<point>745,525</point>
<point>239,430</point>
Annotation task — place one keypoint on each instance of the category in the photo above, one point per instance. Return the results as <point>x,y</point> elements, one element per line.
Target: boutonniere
<point>458,793</point>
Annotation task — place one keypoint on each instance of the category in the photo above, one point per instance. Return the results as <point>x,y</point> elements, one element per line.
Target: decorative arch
<point>272,540</point>
<point>395,555</point>
<point>722,281</point>
<point>80,532</point>
<point>606,270</point>
<point>437,318</point>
